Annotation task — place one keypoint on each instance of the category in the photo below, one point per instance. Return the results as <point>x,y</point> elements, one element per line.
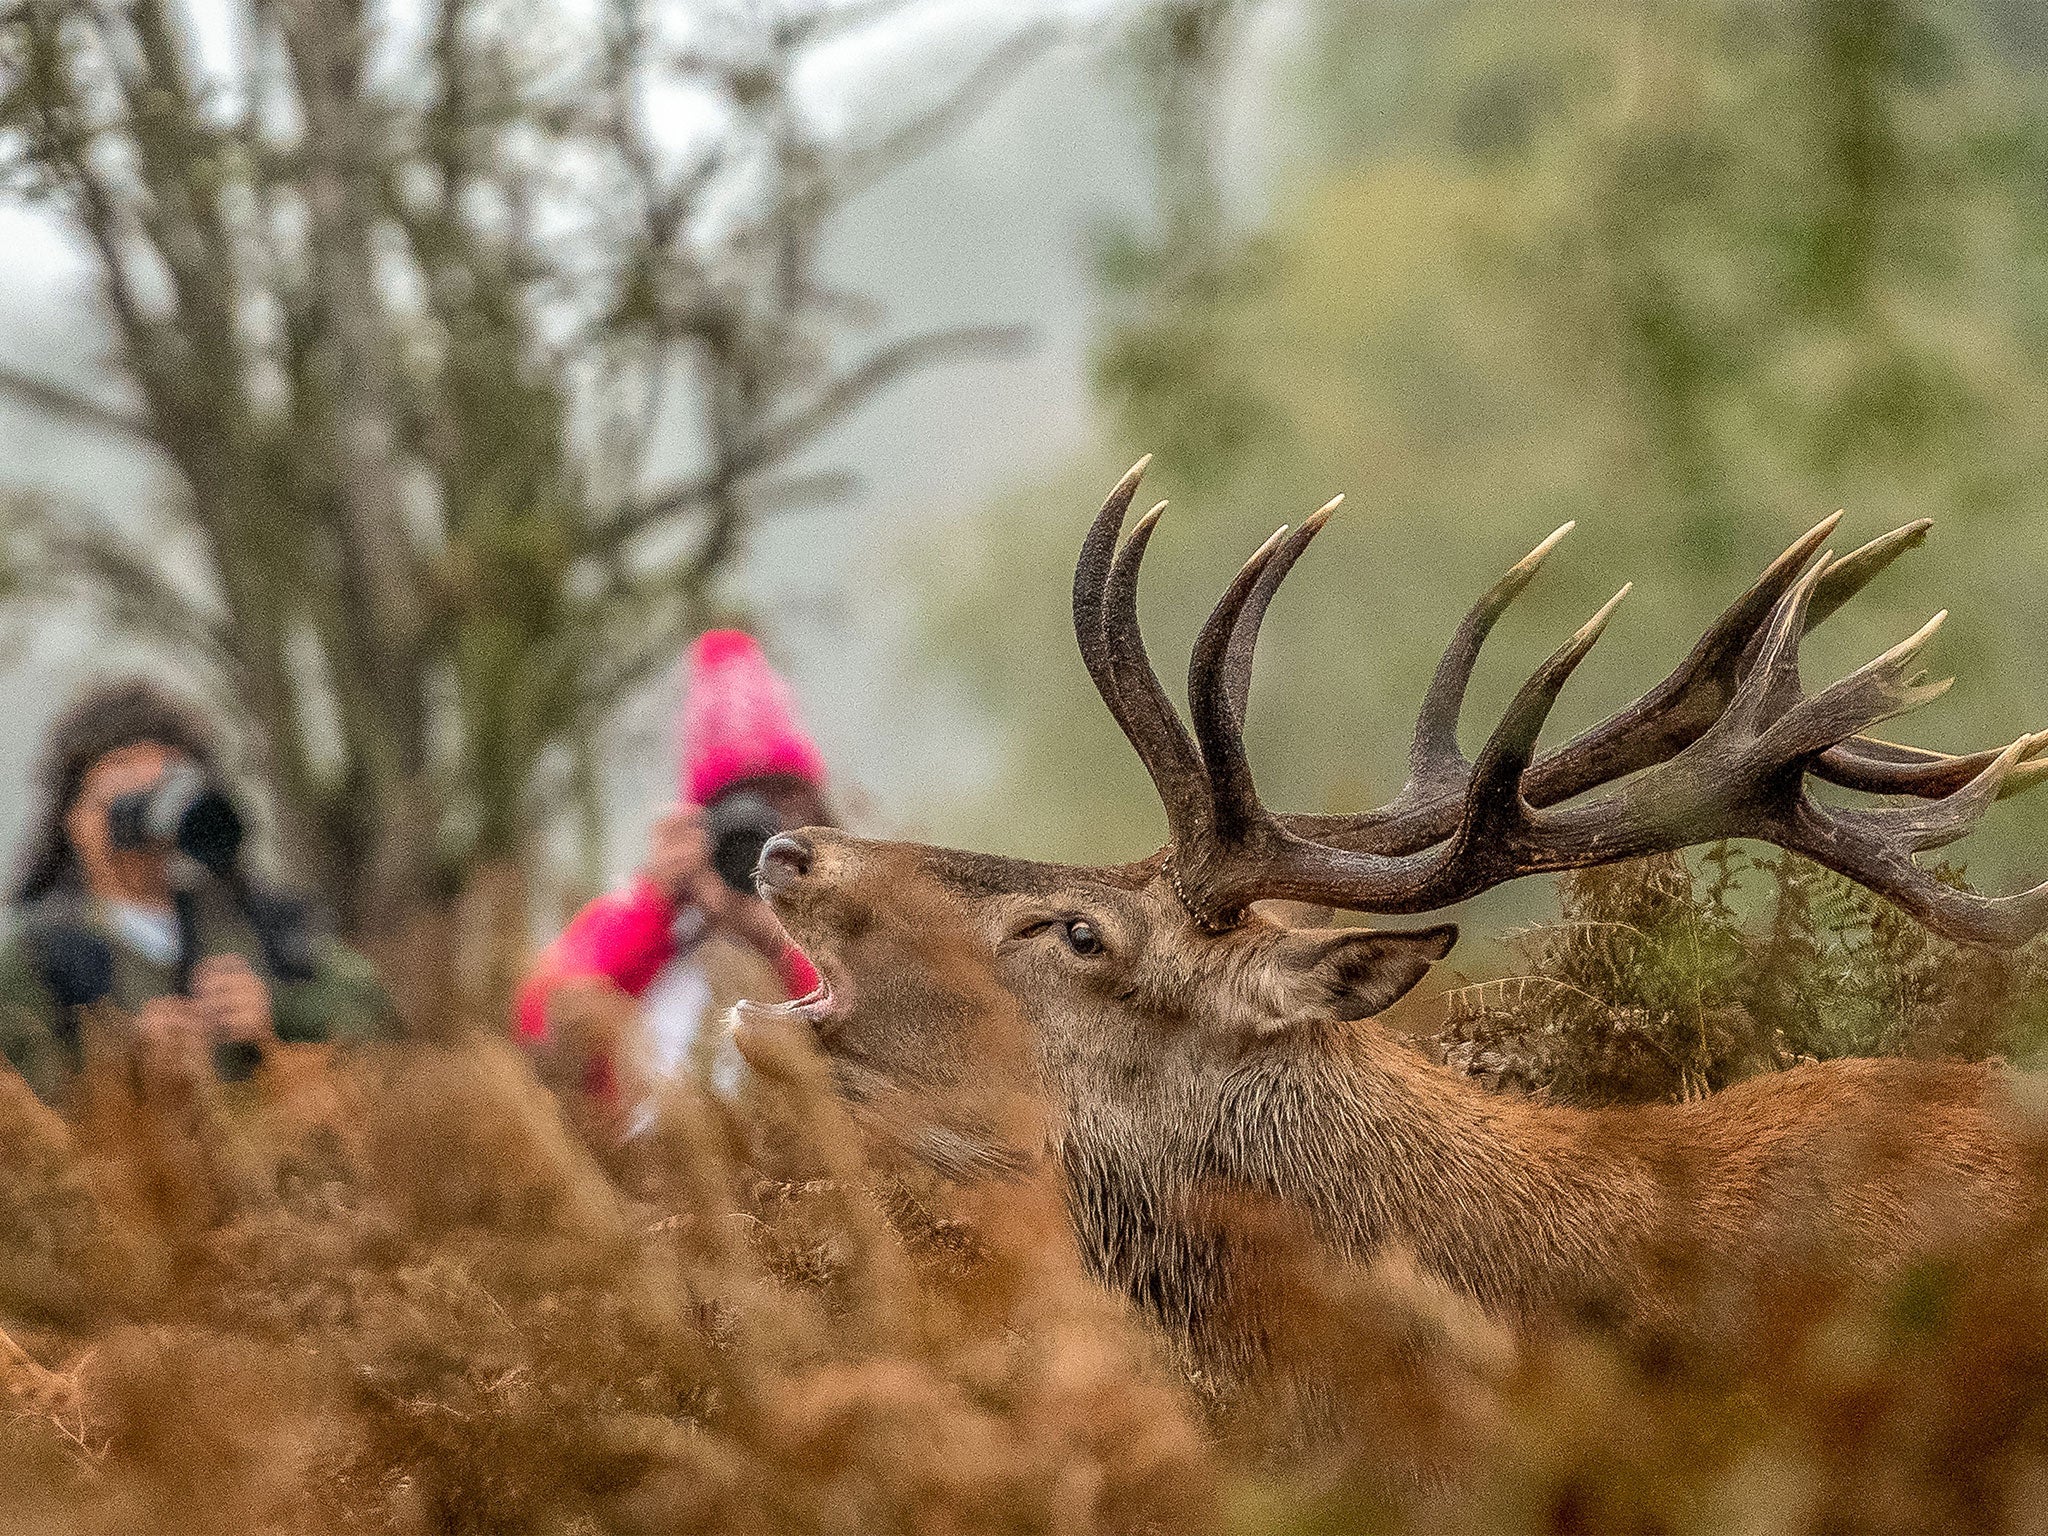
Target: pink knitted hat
<point>738,719</point>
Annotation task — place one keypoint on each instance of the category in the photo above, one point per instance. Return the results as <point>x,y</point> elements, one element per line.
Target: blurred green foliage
<point>1696,275</point>
<point>1675,976</point>
<point>1176,287</point>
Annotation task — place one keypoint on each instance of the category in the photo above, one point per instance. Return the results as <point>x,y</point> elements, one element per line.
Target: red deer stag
<point>1185,1045</point>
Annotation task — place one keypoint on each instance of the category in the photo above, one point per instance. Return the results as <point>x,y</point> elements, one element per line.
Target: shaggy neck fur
<point>1534,1211</point>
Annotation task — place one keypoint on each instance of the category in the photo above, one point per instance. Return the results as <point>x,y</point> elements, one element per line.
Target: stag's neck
<point>1520,1205</point>
<point>1370,1148</point>
<point>1532,1210</point>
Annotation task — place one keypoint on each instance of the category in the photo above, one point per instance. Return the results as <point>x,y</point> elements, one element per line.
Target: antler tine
<point>1851,845</point>
<point>1941,822</point>
<point>1770,685</point>
<point>1887,768</point>
<point>1878,767</point>
<point>1662,722</point>
<point>1748,774</point>
<point>1244,635</point>
<point>2031,771</point>
<point>1234,802</point>
<point>1141,706</point>
<point>1091,580</point>
<point>1434,758</point>
<point>1857,569</point>
<point>1875,691</point>
<point>1489,842</point>
<point>1496,838</point>
<point>1678,710</point>
<point>1494,805</point>
<point>1106,628</point>
<point>1512,745</point>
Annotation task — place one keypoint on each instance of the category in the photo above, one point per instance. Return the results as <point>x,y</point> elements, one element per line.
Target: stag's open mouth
<point>757,1026</point>
<point>815,1006</point>
<point>827,1001</point>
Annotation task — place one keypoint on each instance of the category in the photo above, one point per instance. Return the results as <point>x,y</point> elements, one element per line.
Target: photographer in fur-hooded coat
<point>134,926</point>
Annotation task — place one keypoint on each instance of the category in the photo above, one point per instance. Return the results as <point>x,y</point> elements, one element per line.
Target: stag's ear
<point>1355,973</point>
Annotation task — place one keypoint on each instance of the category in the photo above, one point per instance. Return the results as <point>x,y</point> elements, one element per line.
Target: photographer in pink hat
<point>748,770</point>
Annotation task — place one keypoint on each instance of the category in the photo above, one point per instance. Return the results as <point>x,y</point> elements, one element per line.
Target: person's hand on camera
<point>231,999</point>
<point>679,865</point>
<point>679,855</point>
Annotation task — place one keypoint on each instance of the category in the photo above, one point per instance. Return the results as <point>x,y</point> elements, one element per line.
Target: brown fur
<point>1188,1077</point>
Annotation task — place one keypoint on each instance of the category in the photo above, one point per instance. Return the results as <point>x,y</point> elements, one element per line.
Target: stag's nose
<point>785,859</point>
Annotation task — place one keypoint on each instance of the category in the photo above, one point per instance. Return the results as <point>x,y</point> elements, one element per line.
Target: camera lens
<point>210,830</point>
<point>184,810</point>
<point>739,826</point>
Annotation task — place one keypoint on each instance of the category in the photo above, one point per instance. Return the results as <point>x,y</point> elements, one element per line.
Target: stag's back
<point>1838,1171</point>
<point>1862,1164</point>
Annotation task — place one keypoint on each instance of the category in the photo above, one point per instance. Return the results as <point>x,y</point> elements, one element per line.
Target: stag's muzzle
<point>785,859</point>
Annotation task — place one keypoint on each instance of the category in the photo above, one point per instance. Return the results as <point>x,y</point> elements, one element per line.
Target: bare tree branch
<point>856,170</point>
<point>837,399</point>
<point>53,556</point>
<point>801,493</point>
<point>75,406</point>
<point>834,21</point>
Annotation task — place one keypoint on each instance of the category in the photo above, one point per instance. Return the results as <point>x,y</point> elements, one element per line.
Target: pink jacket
<point>625,939</point>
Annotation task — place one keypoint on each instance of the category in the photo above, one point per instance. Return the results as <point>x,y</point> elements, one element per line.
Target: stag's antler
<point>1721,748</point>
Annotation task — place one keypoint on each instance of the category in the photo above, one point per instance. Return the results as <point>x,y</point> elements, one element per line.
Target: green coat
<point>338,998</point>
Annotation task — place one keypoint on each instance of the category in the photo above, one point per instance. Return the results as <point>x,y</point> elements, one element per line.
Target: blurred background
<point>414,380</point>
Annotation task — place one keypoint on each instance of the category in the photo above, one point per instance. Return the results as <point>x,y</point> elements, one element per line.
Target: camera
<point>738,826</point>
<point>184,810</point>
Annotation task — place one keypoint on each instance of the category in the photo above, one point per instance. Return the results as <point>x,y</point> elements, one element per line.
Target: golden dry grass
<point>405,1294</point>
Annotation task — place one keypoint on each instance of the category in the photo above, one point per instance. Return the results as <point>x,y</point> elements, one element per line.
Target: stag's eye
<point>1081,937</point>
